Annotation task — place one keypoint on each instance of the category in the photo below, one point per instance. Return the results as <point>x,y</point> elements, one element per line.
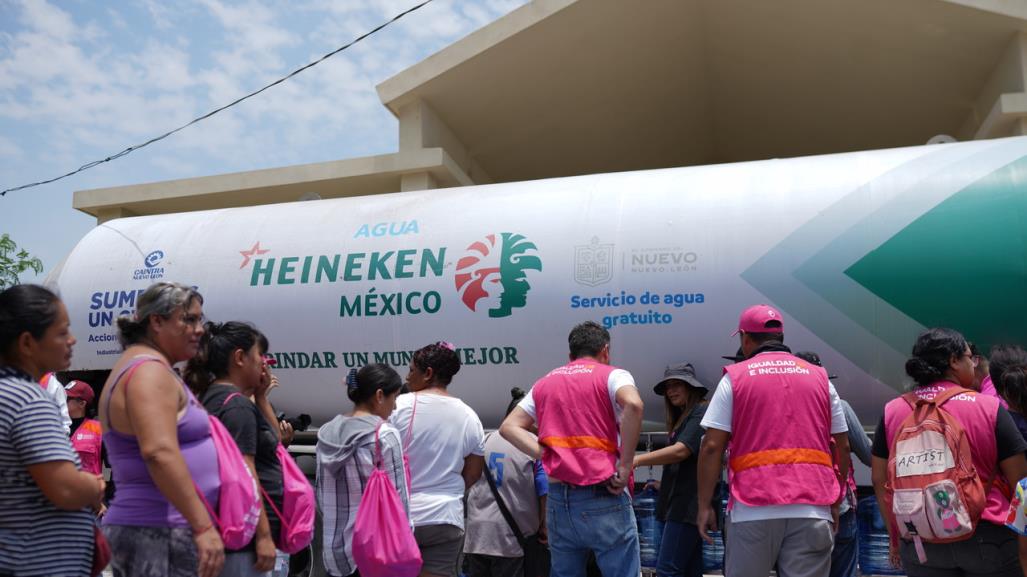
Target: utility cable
<point>131,149</point>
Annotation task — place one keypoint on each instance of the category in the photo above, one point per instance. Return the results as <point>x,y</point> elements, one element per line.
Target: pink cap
<point>755,319</point>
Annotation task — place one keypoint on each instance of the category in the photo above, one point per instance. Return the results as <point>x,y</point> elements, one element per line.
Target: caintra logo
<point>153,259</point>
<point>495,268</point>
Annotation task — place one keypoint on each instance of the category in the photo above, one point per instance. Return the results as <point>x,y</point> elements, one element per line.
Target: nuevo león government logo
<point>501,260</point>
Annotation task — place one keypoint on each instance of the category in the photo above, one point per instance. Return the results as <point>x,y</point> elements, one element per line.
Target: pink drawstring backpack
<point>297,513</point>
<point>238,502</point>
<point>383,542</point>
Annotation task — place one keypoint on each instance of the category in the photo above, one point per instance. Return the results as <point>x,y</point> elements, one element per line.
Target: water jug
<point>713,555</point>
<point>873,540</point>
<point>281,565</point>
<point>648,528</point>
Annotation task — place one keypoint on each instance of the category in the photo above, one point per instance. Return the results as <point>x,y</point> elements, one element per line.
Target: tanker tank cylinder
<point>343,282</point>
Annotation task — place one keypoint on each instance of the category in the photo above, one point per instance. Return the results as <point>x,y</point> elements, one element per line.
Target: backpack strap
<point>518,534</point>
<point>917,404</point>
<point>378,446</point>
<point>229,398</point>
<point>950,392</point>
<point>286,527</point>
<point>912,399</point>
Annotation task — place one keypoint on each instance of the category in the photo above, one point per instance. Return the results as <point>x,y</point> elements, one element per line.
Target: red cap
<point>79,390</point>
<point>756,318</point>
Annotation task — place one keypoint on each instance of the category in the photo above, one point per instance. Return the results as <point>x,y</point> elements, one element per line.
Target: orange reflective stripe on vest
<point>781,457</point>
<point>580,442</point>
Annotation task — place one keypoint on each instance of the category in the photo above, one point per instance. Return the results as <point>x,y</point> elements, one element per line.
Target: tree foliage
<point>14,262</point>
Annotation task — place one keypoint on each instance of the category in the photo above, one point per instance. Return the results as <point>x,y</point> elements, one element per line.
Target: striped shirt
<point>36,538</point>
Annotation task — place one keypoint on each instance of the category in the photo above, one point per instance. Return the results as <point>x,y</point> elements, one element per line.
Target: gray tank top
<point>487,532</point>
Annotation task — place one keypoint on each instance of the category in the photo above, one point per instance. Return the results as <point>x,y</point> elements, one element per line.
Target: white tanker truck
<point>859,251</point>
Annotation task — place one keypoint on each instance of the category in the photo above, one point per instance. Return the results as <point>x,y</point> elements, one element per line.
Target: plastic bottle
<point>281,565</point>
<point>648,528</point>
<point>713,555</point>
<point>873,540</point>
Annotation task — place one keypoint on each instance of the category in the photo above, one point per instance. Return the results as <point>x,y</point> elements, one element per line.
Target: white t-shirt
<point>618,378</point>
<point>55,389</point>
<point>718,416</point>
<point>445,431</point>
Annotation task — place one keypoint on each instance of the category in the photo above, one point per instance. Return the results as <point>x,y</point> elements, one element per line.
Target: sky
<point>81,80</point>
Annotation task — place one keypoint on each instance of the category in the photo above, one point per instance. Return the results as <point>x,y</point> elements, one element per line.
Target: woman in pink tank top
<point>158,442</point>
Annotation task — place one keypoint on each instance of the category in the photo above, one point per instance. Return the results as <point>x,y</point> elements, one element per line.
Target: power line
<point>131,149</point>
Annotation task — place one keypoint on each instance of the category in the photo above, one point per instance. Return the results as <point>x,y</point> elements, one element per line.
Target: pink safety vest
<point>577,426</point>
<point>977,414</point>
<point>86,440</point>
<point>781,431</point>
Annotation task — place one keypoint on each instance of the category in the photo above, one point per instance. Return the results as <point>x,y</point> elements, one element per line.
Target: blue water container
<point>713,555</point>
<point>873,540</point>
<point>649,534</point>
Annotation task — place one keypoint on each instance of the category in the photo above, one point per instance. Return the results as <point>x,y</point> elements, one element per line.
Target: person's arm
<point>879,476</point>
<point>152,397</point>
<point>843,462</point>
<point>859,442</point>
<point>630,427</point>
<point>263,405</point>
<point>1013,466</point>
<point>265,545</point>
<point>543,532</point>
<point>1022,550</point>
<point>473,466</point>
<point>392,453</point>
<point>516,429</point>
<point>666,456</point>
<point>40,443</point>
<point>60,396</point>
<point>542,492</point>
<point>66,487</point>
<point>685,444</point>
<point>711,462</point>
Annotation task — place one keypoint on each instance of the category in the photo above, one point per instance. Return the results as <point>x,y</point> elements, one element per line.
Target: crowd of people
<point>548,493</point>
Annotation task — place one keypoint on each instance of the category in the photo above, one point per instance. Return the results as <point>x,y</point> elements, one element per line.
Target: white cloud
<point>92,86</point>
<point>9,148</point>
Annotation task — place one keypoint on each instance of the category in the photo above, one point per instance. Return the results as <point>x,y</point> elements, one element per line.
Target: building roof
<point>574,87</point>
<point>568,87</point>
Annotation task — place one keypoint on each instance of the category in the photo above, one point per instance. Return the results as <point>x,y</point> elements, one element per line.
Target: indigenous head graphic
<point>495,268</point>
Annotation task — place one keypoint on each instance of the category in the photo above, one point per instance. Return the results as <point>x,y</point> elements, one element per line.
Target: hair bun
<point>922,371</point>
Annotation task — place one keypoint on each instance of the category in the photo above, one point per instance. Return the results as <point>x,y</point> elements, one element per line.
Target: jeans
<point>680,551</point>
<point>583,519</point>
<point>240,564</point>
<point>846,546</point>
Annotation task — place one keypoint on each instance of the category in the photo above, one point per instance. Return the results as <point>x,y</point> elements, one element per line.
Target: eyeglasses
<point>975,359</point>
<point>193,320</point>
